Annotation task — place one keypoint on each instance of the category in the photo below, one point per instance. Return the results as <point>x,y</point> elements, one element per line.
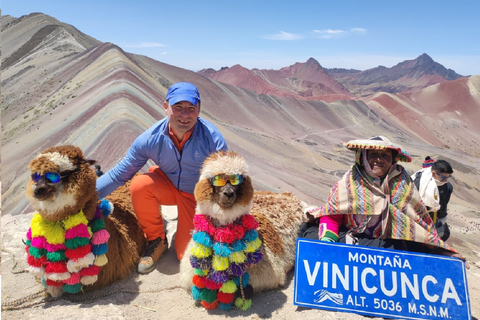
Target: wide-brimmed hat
<point>379,143</point>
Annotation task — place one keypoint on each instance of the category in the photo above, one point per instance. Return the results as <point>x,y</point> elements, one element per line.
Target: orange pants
<point>152,189</point>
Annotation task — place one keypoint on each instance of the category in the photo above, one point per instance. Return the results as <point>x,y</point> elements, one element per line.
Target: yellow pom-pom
<point>237,257</point>
<point>228,287</point>
<point>52,231</point>
<point>252,246</point>
<point>101,260</point>
<point>75,220</point>
<point>220,263</point>
<point>201,251</point>
<point>243,304</point>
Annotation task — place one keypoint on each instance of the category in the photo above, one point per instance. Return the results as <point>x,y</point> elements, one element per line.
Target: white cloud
<point>285,36</point>
<point>145,45</point>
<point>336,34</point>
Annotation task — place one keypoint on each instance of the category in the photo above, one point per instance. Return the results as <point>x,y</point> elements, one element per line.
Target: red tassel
<point>225,297</point>
<point>37,263</point>
<point>79,252</point>
<point>93,270</point>
<point>210,306</point>
<point>54,283</point>
<point>56,267</point>
<point>209,284</point>
<point>198,281</point>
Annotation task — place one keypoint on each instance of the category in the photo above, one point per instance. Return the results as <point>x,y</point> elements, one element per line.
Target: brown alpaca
<point>56,201</point>
<point>279,216</point>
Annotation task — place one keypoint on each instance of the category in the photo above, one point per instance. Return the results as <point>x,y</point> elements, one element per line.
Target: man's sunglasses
<point>52,177</point>
<point>222,179</point>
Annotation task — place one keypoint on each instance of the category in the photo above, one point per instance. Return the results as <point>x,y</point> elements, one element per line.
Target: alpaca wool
<point>220,257</point>
<point>67,254</point>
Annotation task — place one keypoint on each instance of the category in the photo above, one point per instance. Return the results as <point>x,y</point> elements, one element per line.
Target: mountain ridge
<point>101,98</point>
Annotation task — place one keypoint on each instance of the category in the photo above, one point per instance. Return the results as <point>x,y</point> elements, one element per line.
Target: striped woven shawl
<point>397,202</point>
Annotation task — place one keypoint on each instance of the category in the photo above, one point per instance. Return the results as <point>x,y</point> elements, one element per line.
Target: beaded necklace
<point>220,257</point>
<point>68,254</point>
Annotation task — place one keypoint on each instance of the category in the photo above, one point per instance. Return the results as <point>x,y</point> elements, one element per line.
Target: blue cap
<point>183,91</point>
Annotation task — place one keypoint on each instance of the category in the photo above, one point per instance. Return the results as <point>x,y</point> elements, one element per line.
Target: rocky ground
<point>157,296</point>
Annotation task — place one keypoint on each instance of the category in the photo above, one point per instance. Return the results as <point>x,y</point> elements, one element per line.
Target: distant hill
<point>310,80</point>
<point>409,75</point>
<point>302,80</point>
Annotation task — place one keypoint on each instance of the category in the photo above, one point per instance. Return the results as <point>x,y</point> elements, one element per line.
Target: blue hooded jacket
<point>183,170</point>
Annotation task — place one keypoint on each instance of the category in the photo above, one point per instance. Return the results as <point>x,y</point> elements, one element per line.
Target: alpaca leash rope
<point>20,303</point>
<point>15,262</point>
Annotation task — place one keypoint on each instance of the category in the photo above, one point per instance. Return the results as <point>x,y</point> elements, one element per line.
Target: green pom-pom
<point>72,288</point>
<point>228,287</point>
<point>35,252</point>
<point>208,295</point>
<point>98,224</point>
<point>200,272</point>
<point>76,242</point>
<point>56,256</point>
<point>243,304</point>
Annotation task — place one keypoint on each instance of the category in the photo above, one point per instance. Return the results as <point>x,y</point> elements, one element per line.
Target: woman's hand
<point>456,255</point>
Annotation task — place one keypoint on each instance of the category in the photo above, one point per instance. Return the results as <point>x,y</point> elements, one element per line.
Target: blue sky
<point>271,34</point>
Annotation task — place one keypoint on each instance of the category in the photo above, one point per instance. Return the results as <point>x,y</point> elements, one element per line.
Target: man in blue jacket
<point>178,145</point>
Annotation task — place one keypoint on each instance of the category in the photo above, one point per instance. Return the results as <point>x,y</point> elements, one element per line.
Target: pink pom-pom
<point>224,234</point>
<point>80,230</point>
<point>249,222</point>
<point>39,242</point>
<point>54,247</point>
<point>29,234</point>
<point>74,279</point>
<point>238,231</point>
<point>201,223</point>
<point>100,237</point>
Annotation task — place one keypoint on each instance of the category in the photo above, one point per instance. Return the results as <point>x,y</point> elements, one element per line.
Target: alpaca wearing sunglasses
<point>77,243</point>
<point>237,227</point>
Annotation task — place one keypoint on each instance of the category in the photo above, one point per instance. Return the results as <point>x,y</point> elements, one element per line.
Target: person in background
<point>178,145</point>
<point>376,204</point>
<point>98,170</point>
<point>435,191</point>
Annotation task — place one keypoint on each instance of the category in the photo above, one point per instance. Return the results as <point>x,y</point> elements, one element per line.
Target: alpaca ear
<point>91,161</point>
<point>245,191</point>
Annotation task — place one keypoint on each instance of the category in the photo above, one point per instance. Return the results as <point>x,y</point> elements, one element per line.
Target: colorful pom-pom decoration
<point>68,254</point>
<point>220,257</point>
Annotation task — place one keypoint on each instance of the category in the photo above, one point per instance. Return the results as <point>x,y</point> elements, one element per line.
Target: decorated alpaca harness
<point>220,257</point>
<point>68,254</point>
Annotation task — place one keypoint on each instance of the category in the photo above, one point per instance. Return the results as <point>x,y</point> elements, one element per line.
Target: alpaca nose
<point>228,191</point>
<point>39,191</point>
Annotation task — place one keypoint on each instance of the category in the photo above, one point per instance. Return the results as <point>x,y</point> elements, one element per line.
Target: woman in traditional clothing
<point>376,204</point>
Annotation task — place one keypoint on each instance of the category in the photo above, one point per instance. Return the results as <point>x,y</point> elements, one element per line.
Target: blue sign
<point>380,282</point>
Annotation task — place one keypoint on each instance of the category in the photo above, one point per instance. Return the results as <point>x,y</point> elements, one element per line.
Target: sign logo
<point>379,282</point>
